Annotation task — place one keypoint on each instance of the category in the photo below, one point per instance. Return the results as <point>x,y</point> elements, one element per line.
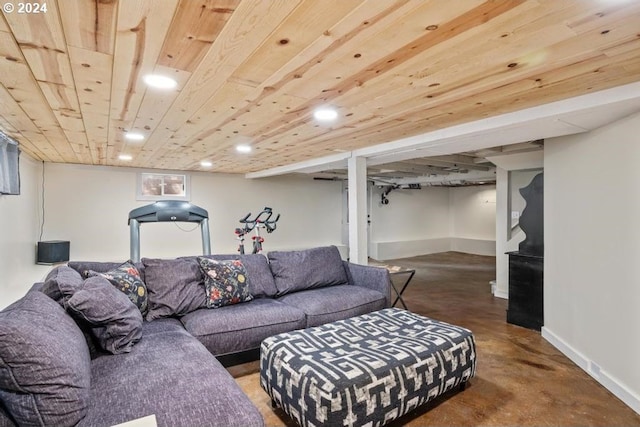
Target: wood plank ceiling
<point>253,71</point>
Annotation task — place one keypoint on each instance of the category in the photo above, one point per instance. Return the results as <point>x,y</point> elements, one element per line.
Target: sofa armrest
<point>370,277</point>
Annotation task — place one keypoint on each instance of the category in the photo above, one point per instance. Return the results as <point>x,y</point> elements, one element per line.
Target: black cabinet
<point>525,290</point>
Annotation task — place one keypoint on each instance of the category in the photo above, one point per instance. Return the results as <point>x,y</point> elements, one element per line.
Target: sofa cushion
<point>335,303</point>
<point>126,278</point>
<point>161,326</point>
<point>258,272</point>
<point>242,327</point>
<point>307,269</point>
<point>114,320</point>
<point>5,418</point>
<point>61,283</point>
<point>175,286</point>
<point>44,363</point>
<point>171,375</point>
<point>225,282</point>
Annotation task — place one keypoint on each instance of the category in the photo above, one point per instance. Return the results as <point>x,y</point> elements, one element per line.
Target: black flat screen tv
<point>9,165</point>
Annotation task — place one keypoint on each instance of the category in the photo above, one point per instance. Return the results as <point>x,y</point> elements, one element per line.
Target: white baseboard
<point>501,294</point>
<point>615,386</point>
<point>474,246</point>
<point>408,248</point>
<point>498,292</point>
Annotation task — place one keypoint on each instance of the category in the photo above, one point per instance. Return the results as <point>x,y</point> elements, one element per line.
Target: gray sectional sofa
<point>79,349</point>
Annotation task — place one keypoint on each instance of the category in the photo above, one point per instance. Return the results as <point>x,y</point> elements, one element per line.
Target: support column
<point>358,251</point>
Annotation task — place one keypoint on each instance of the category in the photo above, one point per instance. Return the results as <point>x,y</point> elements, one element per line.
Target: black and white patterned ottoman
<point>366,370</point>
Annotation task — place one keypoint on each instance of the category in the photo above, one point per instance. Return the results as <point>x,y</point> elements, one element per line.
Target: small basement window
<point>9,165</point>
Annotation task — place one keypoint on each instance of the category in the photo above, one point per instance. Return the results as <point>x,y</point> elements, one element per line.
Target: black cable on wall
<point>42,222</point>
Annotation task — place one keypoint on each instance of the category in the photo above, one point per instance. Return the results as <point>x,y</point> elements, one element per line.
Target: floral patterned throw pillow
<point>225,282</point>
<point>126,277</point>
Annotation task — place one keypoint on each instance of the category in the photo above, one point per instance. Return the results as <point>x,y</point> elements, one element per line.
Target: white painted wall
<point>592,249</point>
<point>503,242</point>
<point>433,219</point>
<point>410,214</point>
<point>89,206</point>
<point>20,224</point>
<point>414,222</point>
<point>473,219</point>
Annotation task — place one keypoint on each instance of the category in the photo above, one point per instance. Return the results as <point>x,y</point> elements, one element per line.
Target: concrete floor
<point>521,379</point>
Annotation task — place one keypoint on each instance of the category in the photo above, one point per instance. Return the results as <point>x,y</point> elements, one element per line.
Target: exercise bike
<point>262,220</point>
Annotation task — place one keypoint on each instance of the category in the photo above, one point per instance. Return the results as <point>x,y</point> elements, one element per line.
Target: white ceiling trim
<point>569,116</point>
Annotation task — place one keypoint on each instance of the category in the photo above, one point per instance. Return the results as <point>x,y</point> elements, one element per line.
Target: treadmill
<point>167,211</point>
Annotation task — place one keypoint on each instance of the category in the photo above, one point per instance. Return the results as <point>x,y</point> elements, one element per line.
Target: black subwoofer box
<point>53,251</point>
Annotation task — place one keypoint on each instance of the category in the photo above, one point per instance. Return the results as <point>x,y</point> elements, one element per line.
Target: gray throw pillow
<point>61,283</point>
<point>175,286</point>
<point>45,369</point>
<point>114,320</point>
<point>307,269</point>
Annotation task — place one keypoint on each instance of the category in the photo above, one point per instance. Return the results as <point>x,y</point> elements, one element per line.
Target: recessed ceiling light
<point>325,114</point>
<point>160,82</point>
<point>243,148</point>
<point>206,164</point>
<point>134,136</point>
<point>125,157</point>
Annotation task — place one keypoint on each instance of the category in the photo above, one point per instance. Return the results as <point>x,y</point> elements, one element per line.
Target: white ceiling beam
<point>513,161</point>
<point>452,179</point>
<point>565,117</point>
<point>407,167</point>
<point>521,147</point>
<point>333,161</point>
<point>461,162</point>
<point>565,114</point>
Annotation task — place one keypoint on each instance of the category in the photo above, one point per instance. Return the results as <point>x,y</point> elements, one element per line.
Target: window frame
<point>144,192</point>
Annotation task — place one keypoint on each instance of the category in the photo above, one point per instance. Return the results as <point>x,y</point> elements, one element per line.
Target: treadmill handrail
<point>149,213</point>
<point>167,211</point>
